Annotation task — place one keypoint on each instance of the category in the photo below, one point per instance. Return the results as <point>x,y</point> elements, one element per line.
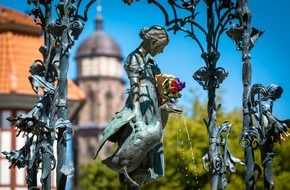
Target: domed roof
<point>99,44</point>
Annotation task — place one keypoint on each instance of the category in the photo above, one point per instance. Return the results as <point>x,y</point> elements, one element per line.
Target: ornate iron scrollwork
<point>219,14</point>
<point>210,79</point>
<point>265,129</point>
<point>255,132</point>
<point>222,159</point>
<point>47,122</point>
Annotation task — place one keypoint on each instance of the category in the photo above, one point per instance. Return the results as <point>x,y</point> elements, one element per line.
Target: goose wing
<point>117,122</point>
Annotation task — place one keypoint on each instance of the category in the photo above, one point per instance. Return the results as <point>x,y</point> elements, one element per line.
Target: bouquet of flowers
<point>169,87</point>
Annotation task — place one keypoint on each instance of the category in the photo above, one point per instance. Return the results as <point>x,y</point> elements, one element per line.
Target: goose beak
<point>171,107</point>
<point>174,109</point>
<point>177,110</point>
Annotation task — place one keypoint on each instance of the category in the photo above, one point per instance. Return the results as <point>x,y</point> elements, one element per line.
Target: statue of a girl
<point>143,97</point>
<point>137,128</point>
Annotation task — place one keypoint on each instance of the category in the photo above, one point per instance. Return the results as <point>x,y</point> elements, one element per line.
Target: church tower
<point>99,76</point>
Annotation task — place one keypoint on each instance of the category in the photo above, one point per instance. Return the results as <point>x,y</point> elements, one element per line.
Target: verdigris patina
<point>138,127</point>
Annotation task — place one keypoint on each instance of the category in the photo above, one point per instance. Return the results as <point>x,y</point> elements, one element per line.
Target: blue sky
<point>270,56</point>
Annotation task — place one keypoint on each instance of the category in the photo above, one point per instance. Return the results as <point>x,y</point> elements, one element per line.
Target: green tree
<point>94,175</point>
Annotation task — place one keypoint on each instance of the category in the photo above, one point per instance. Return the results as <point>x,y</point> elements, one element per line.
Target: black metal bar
<point>244,16</point>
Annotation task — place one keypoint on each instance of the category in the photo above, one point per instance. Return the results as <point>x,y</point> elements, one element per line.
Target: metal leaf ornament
<point>56,28</point>
<point>268,171</point>
<point>16,158</point>
<point>249,137</point>
<point>255,34</point>
<point>203,76</point>
<point>38,79</point>
<point>225,160</point>
<point>236,33</point>
<point>76,28</point>
<point>274,92</point>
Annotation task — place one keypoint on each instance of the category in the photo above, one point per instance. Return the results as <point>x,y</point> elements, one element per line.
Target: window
<point>109,105</point>
<point>5,124</point>
<point>92,104</point>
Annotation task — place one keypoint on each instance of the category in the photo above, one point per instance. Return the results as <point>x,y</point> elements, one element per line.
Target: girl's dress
<point>152,167</point>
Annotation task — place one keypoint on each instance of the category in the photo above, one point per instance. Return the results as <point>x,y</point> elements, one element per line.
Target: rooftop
<point>16,57</point>
<point>99,44</point>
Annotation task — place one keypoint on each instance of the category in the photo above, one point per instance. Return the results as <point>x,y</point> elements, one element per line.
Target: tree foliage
<point>94,175</point>
<point>183,157</point>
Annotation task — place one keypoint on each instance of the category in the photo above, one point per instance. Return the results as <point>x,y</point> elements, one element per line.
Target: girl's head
<point>154,39</point>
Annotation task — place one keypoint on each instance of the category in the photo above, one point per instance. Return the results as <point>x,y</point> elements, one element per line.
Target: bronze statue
<point>138,127</point>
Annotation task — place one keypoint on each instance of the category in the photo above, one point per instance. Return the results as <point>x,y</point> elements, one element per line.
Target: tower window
<point>92,105</point>
<point>109,105</point>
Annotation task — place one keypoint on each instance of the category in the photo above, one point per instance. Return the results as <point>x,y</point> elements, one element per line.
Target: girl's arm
<point>135,94</point>
<point>134,66</point>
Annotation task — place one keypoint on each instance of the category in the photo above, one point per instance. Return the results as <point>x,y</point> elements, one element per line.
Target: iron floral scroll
<point>47,122</point>
<point>259,123</point>
<point>219,14</point>
<point>261,129</point>
<point>240,33</point>
<point>264,131</point>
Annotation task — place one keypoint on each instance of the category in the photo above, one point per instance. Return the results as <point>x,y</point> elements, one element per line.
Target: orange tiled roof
<point>14,21</point>
<point>17,52</point>
<point>8,16</point>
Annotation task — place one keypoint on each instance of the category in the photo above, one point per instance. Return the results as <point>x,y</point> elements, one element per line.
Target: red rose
<point>173,90</point>
<point>174,84</point>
